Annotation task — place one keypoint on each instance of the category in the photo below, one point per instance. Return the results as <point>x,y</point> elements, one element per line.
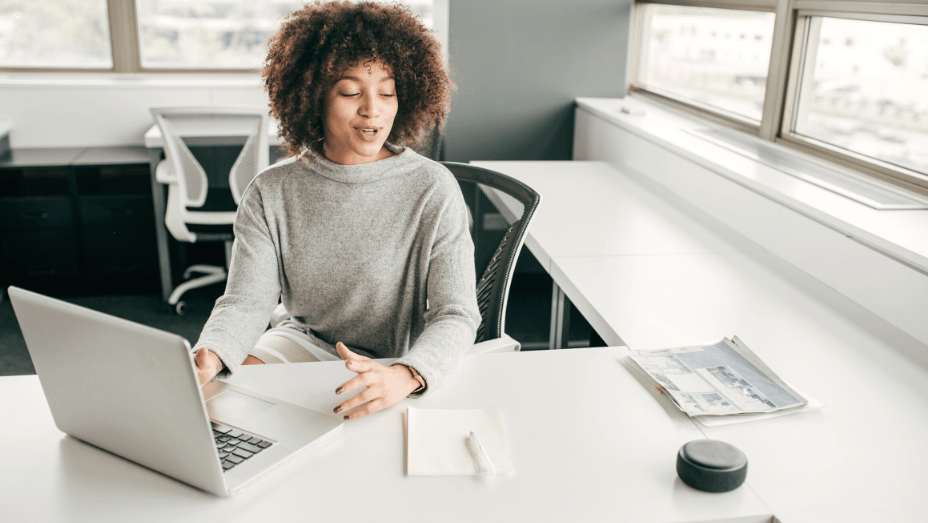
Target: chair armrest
<point>280,314</point>
<point>164,173</point>
<point>501,344</point>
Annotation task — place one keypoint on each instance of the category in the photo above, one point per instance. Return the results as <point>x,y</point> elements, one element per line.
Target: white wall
<point>105,110</point>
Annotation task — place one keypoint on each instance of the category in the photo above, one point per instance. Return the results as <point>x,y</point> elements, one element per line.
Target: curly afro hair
<point>317,43</point>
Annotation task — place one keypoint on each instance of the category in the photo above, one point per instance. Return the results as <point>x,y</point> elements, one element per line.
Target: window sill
<point>898,234</point>
<point>122,81</point>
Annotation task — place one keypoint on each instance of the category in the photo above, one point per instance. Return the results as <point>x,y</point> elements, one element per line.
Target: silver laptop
<point>133,390</point>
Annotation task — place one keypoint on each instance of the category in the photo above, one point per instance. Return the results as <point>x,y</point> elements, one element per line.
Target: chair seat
<point>218,199</point>
<point>210,228</point>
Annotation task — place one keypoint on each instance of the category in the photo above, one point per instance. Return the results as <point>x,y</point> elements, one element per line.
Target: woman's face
<point>358,114</point>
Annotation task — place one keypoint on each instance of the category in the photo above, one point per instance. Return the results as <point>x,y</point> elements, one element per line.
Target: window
<point>868,97</point>
<point>198,34</point>
<point>55,34</point>
<point>842,79</point>
<point>704,55</point>
<point>126,36</point>
<point>210,34</point>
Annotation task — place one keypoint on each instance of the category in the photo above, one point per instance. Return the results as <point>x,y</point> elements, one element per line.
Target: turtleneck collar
<point>362,173</point>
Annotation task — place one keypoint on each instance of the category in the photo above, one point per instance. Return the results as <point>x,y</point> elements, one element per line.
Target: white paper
<point>715,421</point>
<point>436,441</point>
<point>717,379</point>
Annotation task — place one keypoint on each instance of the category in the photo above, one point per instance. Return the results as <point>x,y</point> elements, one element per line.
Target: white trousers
<point>284,345</point>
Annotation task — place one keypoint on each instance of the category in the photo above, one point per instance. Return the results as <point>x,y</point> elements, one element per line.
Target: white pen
<point>481,451</point>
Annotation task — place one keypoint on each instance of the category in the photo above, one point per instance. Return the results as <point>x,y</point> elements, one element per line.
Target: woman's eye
<point>388,95</point>
<point>347,95</point>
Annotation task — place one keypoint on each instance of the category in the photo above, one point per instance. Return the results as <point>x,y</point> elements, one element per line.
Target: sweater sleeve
<point>453,317</point>
<point>242,313</point>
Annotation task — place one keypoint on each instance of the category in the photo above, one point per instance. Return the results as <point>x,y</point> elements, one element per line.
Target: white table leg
<point>161,232</point>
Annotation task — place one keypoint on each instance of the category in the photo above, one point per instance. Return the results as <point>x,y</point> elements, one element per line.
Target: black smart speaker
<point>711,466</point>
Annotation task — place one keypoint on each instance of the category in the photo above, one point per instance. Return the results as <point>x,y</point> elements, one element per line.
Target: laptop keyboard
<point>235,446</point>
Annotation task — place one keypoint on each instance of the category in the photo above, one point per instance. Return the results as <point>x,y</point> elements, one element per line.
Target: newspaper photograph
<point>718,379</point>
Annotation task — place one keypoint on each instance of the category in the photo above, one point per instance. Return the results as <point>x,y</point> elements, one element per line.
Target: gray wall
<point>520,64</point>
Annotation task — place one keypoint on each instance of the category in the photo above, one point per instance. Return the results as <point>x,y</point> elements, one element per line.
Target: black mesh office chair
<point>502,209</point>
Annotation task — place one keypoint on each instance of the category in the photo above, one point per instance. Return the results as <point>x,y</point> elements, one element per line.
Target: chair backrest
<point>502,209</point>
<point>191,177</point>
<point>431,144</point>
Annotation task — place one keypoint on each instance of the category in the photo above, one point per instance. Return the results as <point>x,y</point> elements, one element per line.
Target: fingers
<point>365,396</point>
<point>361,380</point>
<point>207,365</point>
<point>347,355</point>
<point>360,366</point>
<point>385,387</point>
<point>370,408</point>
<point>353,361</point>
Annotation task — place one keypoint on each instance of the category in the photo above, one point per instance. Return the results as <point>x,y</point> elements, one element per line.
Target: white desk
<point>862,457</point>
<point>589,442</point>
<point>596,213</point>
<point>218,130</point>
<point>588,209</point>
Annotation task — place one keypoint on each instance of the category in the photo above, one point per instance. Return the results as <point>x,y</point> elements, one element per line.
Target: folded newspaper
<point>718,379</point>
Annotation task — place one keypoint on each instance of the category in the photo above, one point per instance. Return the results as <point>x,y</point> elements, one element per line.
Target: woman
<point>365,242</point>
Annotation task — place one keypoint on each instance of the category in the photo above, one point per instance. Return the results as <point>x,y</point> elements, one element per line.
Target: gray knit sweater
<point>377,256</point>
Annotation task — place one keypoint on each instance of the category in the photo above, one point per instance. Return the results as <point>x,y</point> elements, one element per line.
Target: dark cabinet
<point>44,260</point>
<point>119,261</point>
<point>38,247</point>
<point>77,221</point>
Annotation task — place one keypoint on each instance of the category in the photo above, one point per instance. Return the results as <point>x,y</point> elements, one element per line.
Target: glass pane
<point>716,57</point>
<point>55,33</point>
<point>206,34</point>
<point>865,89</point>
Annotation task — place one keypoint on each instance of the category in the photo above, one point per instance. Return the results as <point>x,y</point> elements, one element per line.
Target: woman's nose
<point>370,107</point>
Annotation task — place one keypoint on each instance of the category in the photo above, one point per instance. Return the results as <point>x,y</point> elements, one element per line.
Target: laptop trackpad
<point>232,405</point>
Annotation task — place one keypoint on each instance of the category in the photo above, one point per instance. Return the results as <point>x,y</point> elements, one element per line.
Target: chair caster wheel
<point>179,309</point>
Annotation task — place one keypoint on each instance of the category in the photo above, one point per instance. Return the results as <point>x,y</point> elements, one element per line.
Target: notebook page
<point>436,441</point>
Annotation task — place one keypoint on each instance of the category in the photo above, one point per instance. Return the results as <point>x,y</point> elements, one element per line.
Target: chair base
<point>211,274</point>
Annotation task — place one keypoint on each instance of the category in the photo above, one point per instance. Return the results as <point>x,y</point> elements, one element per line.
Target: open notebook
<point>436,441</point>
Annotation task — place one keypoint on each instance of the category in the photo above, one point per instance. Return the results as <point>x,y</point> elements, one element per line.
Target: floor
<point>528,318</point>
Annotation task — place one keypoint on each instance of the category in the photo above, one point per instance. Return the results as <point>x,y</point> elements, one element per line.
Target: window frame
<point>711,113</point>
<point>126,49</point>
<point>784,76</point>
<point>803,12</point>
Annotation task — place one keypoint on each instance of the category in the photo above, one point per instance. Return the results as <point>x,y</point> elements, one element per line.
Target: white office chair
<point>195,212</point>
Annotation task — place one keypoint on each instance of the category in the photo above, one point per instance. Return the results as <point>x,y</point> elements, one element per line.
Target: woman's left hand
<point>386,386</point>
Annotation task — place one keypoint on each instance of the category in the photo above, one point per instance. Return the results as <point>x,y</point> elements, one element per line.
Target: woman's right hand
<point>208,365</point>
